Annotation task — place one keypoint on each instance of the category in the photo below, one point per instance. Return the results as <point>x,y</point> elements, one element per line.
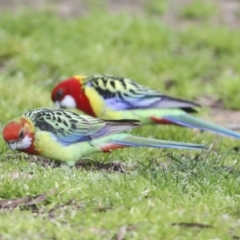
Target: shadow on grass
<point>191,225</point>
<point>85,163</point>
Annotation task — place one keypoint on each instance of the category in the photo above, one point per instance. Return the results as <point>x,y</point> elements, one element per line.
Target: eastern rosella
<point>110,97</point>
<point>67,136</point>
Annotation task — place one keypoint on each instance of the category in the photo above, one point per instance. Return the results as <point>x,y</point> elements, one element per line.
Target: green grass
<point>154,7</point>
<point>199,9</point>
<point>158,188</point>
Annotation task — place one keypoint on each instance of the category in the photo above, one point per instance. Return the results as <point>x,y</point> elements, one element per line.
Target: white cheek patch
<point>21,144</point>
<point>68,102</point>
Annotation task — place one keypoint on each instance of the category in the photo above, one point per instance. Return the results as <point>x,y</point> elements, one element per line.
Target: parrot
<point>112,97</point>
<point>66,136</point>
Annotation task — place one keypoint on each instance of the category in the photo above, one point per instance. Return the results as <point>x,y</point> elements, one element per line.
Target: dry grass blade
<point>99,231</point>
<point>25,201</point>
<point>121,233</point>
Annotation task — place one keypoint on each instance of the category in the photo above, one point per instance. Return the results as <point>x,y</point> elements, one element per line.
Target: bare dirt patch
<point>218,114</point>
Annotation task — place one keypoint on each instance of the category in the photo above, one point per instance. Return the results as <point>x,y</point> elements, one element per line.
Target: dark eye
<point>59,94</point>
<point>20,134</point>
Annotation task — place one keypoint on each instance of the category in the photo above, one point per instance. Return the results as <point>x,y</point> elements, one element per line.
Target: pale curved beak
<point>12,145</point>
<point>57,104</point>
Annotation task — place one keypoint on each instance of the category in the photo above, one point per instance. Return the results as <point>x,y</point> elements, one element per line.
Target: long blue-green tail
<point>187,120</point>
<point>133,141</point>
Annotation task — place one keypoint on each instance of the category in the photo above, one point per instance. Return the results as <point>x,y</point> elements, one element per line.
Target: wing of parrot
<point>69,127</point>
<point>125,94</point>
